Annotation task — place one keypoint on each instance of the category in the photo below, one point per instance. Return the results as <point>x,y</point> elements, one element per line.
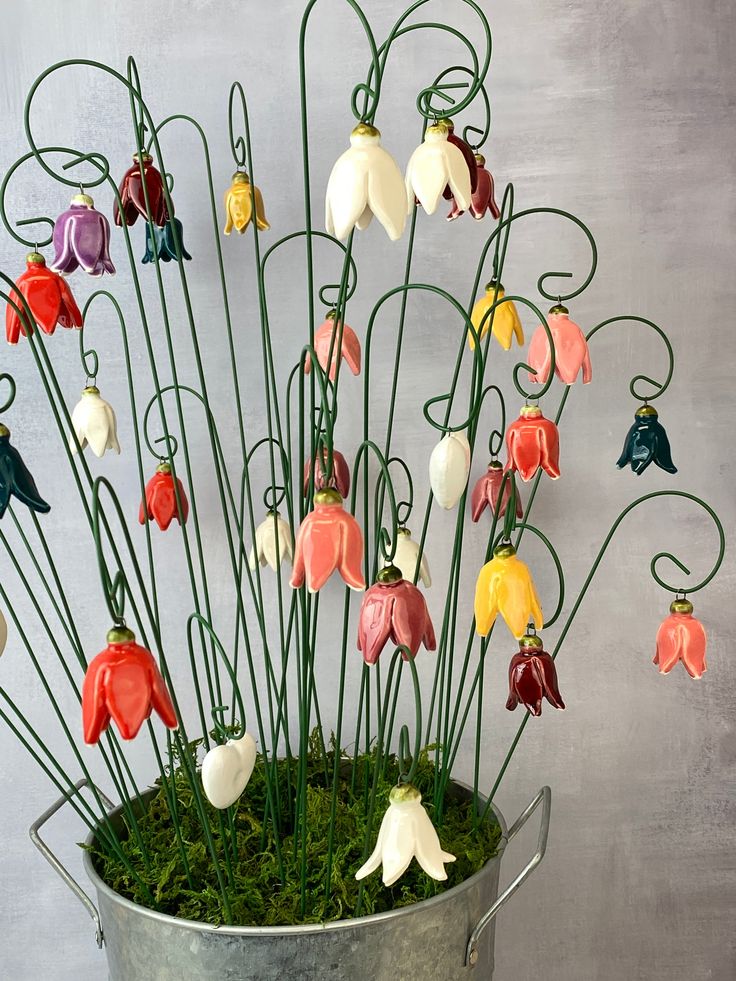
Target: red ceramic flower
<point>571,349</point>
<point>133,198</point>
<point>123,683</point>
<point>532,677</point>
<point>470,160</point>
<point>160,503</point>
<point>483,197</point>
<point>323,341</point>
<point>533,442</point>
<point>329,538</point>
<point>339,478</point>
<point>486,491</point>
<point>681,638</point>
<point>48,296</point>
<point>393,609</point>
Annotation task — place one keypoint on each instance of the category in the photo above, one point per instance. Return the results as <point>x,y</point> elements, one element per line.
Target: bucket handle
<point>54,862</point>
<point>544,795</point>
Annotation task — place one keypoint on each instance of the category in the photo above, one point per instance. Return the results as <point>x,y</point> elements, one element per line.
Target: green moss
<point>256,894</point>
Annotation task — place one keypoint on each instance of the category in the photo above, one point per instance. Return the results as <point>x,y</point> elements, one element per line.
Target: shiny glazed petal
<point>681,637</point>
<point>339,478</point>
<point>646,442</point>
<point>571,351</point>
<point>486,491</point>
<point>265,551</point>
<point>82,239</point>
<point>160,504</point>
<point>132,195</point>
<point>533,442</point>
<point>94,422</point>
<point>48,296</point>
<point>239,205</point>
<point>505,586</point>
<point>468,156</point>
<point>227,769</point>
<point>329,538</point>
<point>506,321</point>
<point>532,677</point>
<point>393,610</point>
<point>406,557</point>
<point>163,244</point>
<point>16,479</point>
<point>323,342</point>
<point>435,164</point>
<point>484,196</point>
<point>449,467</point>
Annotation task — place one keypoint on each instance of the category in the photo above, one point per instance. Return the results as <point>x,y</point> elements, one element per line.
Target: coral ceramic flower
<point>160,504</point>
<point>93,421</point>
<point>533,442</point>
<point>227,769</point>
<point>393,609</point>
<point>339,477</point>
<point>123,683</point>
<point>486,491</point>
<point>406,832</point>
<point>506,322</point>
<point>505,586</point>
<point>265,550</point>
<point>329,538</point>
<point>407,556</point>
<point>532,677</point>
<point>82,239</point>
<point>449,467</point>
<point>327,338</point>
<point>365,181</point>
<point>48,296</point>
<point>571,350</point>
<point>681,637</point>
<point>646,442</point>
<point>163,245</point>
<point>239,205</point>
<point>132,194</point>
<point>436,164</point>
<point>16,479</point>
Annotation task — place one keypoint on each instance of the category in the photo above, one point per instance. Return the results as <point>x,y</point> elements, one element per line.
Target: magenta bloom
<point>82,239</point>
<point>393,609</point>
<point>532,677</point>
<point>486,491</point>
<point>339,478</point>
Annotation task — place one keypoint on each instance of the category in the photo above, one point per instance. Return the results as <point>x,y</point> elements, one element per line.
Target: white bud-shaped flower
<point>407,555</point>
<point>449,467</point>
<point>266,549</point>
<point>435,165</point>
<point>227,769</point>
<point>93,421</point>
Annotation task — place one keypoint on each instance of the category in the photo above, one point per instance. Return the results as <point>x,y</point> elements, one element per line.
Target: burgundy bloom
<point>486,491</point>
<point>133,198</point>
<point>339,478</point>
<point>82,239</point>
<point>393,609</point>
<point>532,677</point>
<point>483,197</point>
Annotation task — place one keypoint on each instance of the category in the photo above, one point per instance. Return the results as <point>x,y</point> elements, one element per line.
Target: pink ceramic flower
<point>323,341</point>
<point>329,538</point>
<point>533,442</point>
<point>681,638</point>
<point>486,491</point>
<point>571,350</point>
<point>393,609</point>
<point>339,478</point>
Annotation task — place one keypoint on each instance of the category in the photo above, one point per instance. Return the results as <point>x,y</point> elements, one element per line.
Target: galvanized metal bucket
<point>448,937</point>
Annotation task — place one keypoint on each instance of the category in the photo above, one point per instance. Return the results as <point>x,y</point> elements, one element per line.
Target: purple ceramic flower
<point>82,238</point>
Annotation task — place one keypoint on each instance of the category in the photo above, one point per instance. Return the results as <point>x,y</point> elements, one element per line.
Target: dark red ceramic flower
<point>486,491</point>
<point>393,609</point>
<point>160,503</point>
<point>123,683</point>
<point>483,197</point>
<point>532,677</point>
<point>48,296</point>
<point>533,442</point>
<point>470,160</point>
<point>132,195</point>
<point>339,478</point>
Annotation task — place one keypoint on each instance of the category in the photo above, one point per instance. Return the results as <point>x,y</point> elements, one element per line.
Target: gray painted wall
<point>618,111</point>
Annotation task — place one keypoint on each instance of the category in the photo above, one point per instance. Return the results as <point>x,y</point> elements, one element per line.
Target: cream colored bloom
<point>227,769</point>
<point>433,165</point>
<point>449,467</point>
<point>93,421</point>
<point>406,556</point>
<point>264,549</point>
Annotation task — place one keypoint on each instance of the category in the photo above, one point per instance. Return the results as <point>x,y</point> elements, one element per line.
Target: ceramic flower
<point>326,337</point>
<point>486,491</point>
<point>48,296</point>
<point>469,157</point>
<point>505,586</point>
<point>407,556</point>
<point>406,832</point>
<point>16,479</point>
<point>533,442</point>
<point>532,677</point>
<point>393,609</point>
<point>329,538</point>
<point>82,239</point>
<point>646,442</point>
<point>227,769</point>
<point>483,197</point>
<point>506,321</point>
<point>239,205</point>
<point>435,164</point>
<point>339,478</point>
<point>132,195</point>
<point>681,637</point>
<point>3,633</point>
<point>123,683</point>
<point>571,350</point>
<point>162,245</point>
<point>449,466</point>
<point>93,421</point>
<point>265,550</point>
<point>160,503</point>
<point>364,182</point>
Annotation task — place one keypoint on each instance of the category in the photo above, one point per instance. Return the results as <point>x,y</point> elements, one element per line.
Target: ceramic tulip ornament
<point>160,504</point>
<point>468,155</point>
<point>646,442</point>
<point>365,181</point>
<point>133,196</point>
<point>339,478</point>
<point>681,637</point>
<point>48,296</point>
<point>393,609</point>
<point>571,349</point>
<point>487,490</point>
<point>272,544</point>
<point>82,239</point>
<point>449,467</point>
<point>94,423</point>
<point>227,769</point>
<point>532,677</point>
<point>163,244</point>
<point>239,205</point>
<point>406,832</point>
<point>16,479</point>
<point>483,197</point>
<point>506,321</point>
<point>533,442</point>
<point>327,338</point>
<point>436,164</point>
<point>329,538</point>
<point>505,586</point>
<point>407,556</point>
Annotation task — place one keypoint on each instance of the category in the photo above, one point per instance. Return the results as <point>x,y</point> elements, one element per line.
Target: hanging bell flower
<point>239,205</point>
<point>486,491</point>
<point>407,555</point>
<point>406,832</point>
<point>365,181</point>
<point>132,195</point>
<point>571,349</point>
<point>48,296</point>
<point>505,586</point>
<point>339,478</point>
<point>93,422</point>
<point>329,538</point>
<point>123,683</point>
<point>160,504</point>
<point>506,321</point>
<point>533,442</point>
<point>483,198</point>
<point>681,637</point>
<point>470,163</point>
<point>82,239</point>
<point>436,164</point>
<point>327,337</point>
<point>3,633</point>
<point>227,769</point>
<point>646,442</point>
<point>16,479</point>
<point>532,677</point>
<point>393,609</point>
<point>265,550</point>
<point>449,467</point>
<point>162,245</point>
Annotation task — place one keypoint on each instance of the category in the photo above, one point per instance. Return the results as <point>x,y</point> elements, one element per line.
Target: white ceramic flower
<point>365,181</point>
<point>406,832</point>
<point>264,549</point>
<point>227,769</point>
<point>406,556</point>
<point>433,165</point>
<point>93,420</point>
<point>3,632</point>
<point>449,466</point>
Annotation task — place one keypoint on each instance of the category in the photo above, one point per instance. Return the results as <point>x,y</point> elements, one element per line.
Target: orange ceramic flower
<point>48,296</point>
<point>326,337</point>
<point>160,503</point>
<point>533,442</point>
<point>329,538</point>
<point>681,638</point>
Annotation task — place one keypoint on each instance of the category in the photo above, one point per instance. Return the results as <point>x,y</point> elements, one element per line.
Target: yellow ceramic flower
<point>505,586</point>
<point>506,322</point>
<point>239,205</point>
